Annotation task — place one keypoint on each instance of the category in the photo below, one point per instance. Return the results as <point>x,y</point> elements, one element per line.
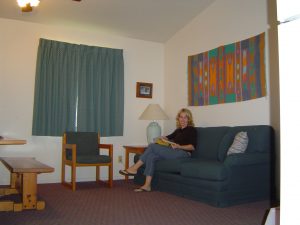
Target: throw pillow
<point>239,144</point>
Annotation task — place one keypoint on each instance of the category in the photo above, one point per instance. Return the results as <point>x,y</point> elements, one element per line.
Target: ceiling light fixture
<point>26,5</point>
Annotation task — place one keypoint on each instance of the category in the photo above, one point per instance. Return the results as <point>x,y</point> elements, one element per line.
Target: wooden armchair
<point>83,149</point>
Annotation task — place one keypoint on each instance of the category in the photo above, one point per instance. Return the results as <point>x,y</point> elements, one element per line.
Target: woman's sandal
<point>126,173</point>
<point>142,190</point>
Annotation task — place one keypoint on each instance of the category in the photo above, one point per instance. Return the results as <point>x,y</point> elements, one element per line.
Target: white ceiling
<point>152,20</point>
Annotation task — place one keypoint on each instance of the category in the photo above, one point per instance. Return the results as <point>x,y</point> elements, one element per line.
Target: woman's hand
<point>175,146</point>
<point>183,147</point>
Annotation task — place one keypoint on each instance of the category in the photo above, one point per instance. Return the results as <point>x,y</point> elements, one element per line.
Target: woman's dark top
<point>185,136</point>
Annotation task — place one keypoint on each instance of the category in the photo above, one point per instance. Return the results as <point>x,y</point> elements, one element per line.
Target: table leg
<point>29,193</point>
<point>8,205</point>
<point>126,162</point>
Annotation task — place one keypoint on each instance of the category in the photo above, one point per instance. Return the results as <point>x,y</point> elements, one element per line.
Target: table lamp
<point>153,112</point>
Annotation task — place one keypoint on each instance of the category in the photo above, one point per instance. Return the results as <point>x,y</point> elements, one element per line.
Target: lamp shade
<point>153,112</point>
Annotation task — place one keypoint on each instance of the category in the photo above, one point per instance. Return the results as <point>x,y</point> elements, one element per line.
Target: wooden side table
<point>137,149</point>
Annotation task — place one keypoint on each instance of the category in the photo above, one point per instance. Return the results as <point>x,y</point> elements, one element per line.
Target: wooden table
<point>23,180</point>
<point>137,149</point>
<point>8,141</point>
<point>11,141</point>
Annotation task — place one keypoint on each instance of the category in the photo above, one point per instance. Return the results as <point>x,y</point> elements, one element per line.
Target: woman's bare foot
<point>146,188</point>
<point>143,188</point>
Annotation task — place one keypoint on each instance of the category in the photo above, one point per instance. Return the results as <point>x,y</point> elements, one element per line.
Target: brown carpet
<point>94,204</point>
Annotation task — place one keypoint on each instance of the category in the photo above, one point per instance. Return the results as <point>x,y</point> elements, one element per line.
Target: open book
<point>164,142</point>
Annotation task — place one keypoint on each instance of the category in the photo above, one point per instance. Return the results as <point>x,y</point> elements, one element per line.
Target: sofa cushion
<point>208,140</point>
<point>248,159</point>
<point>224,145</point>
<point>204,169</point>
<point>261,137</point>
<point>170,165</point>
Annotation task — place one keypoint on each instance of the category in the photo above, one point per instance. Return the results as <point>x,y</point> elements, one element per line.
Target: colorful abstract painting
<point>229,73</point>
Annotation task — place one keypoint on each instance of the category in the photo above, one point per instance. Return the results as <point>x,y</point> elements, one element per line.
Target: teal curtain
<point>78,87</point>
<point>101,91</point>
<point>55,88</point>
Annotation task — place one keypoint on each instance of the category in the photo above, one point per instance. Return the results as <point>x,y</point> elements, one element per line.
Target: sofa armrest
<point>245,159</point>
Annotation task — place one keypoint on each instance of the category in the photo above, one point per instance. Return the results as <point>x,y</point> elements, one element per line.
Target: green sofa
<point>212,177</point>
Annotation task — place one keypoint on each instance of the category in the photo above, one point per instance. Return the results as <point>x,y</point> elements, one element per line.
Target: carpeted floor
<point>94,204</point>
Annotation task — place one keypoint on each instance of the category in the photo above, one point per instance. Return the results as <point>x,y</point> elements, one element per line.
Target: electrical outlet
<point>120,160</point>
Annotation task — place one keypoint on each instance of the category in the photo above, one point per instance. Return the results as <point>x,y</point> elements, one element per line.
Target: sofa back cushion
<point>214,142</point>
<point>208,141</point>
<point>261,137</point>
<point>224,145</point>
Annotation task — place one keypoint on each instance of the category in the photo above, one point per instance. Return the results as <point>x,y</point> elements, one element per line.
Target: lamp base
<point>153,131</point>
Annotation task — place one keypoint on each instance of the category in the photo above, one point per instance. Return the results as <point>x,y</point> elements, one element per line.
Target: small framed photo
<point>144,90</point>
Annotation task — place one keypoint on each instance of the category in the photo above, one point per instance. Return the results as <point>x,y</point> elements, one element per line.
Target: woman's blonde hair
<point>189,116</point>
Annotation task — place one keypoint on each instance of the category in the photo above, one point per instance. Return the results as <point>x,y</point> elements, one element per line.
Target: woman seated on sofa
<point>185,140</point>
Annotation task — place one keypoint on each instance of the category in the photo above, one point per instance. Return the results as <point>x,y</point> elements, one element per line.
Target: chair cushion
<point>92,159</point>
<point>204,169</point>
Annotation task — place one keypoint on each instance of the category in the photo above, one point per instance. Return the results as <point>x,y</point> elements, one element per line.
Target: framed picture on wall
<point>144,90</point>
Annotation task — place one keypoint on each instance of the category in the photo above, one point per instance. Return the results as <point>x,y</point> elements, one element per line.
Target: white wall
<point>224,22</point>
<point>289,48</point>
<point>143,62</point>
<point>165,66</point>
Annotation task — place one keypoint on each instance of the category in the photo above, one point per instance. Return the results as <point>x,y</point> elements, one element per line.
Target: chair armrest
<point>245,159</point>
<point>109,147</point>
<point>71,147</point>
<point>68,146</point>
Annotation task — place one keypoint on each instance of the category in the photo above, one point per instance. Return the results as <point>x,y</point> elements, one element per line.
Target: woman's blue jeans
<point>155,152</point>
